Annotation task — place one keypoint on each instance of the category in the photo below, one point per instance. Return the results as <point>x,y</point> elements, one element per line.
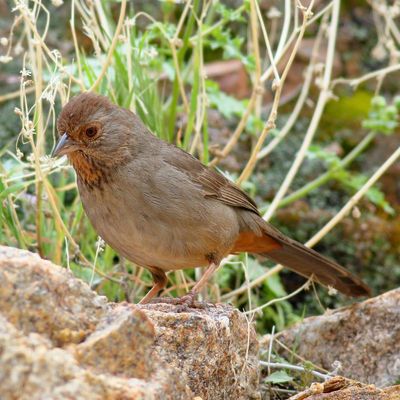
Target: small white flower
<point>100,244</point>
<point>131,22</point>
<point>44,159</point>
<point>5,59</point>
<point>25,72</point>
<point>379,52</point>
<point>19,154</point>
<point>31,158</point>
<point>49,95</point>
<point>332,291</point>
<point>18,111</point>
<point>56,53</point>
<point>274,13</point>
<point>57,3</point>
<point>19,6</point>
<point>29,129</point>
<point>4,41</point>
<point>18,49</point>
<point>153,52</point>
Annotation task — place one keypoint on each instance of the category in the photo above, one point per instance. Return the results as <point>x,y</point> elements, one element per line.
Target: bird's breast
<point>152,226</point>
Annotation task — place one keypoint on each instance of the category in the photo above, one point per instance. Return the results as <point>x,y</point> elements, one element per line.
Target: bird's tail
<point>308,262</point>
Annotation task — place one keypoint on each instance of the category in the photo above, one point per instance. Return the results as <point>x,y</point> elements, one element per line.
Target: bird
<point>161,208</point>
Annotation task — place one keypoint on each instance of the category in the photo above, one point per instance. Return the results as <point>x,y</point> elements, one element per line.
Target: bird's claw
<point>184,303</point>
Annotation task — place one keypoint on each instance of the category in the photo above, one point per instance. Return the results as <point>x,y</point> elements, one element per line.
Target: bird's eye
<point>91,131</point>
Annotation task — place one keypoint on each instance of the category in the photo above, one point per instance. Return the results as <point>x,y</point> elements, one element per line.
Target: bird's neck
<point>91,172</point>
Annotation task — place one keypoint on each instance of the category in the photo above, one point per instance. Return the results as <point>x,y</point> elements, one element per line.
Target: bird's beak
<point>65,145</point>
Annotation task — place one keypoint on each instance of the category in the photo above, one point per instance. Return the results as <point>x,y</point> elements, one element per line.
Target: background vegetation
<point>294,100</point>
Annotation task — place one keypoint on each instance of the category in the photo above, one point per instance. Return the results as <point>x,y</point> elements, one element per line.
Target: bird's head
<point>91,125</point>
<point>96,135</point>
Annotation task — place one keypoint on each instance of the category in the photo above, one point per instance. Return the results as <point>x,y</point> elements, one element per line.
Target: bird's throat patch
<point>89,171</point>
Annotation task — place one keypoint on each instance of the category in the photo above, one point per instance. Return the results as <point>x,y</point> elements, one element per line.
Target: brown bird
<point>161,208</point>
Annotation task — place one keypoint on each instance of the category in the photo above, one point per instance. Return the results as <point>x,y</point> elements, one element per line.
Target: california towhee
<point>163,209</point>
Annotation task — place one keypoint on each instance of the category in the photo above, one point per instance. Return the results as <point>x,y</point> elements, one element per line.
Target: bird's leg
<point>160,281</point>
<point>188,300</point>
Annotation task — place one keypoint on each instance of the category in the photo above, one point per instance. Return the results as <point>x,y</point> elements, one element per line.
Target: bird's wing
<point>213,184</point>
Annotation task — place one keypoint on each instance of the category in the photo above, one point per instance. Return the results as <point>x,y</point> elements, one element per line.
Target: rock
<point>36,296</point>
<point>60,340</point>
<point>122,344</point>
<point>339,388</point>
<point>31,369</point>
<point>217,349</point>
<point>364,338</point>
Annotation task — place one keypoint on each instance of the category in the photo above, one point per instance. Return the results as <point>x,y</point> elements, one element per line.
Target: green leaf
<point>278,377</point>
<point>16,188</point>
<point>228,14</point>
<point>255,269</point>
<point>391,112</point>
<point>378,102</point>
<point>356,181</point>
<point>227,105</point>
<point>275,285</point>
<point>317,152</point>
<point>382,118</point>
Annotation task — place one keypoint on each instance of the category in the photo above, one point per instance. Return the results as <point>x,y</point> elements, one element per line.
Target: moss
<point>346,112</point>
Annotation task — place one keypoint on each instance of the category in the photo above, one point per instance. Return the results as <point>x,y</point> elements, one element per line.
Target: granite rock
<point>364,338</point>
<point>60,340</point>
<point>339,388</point>
<point>216,348</point>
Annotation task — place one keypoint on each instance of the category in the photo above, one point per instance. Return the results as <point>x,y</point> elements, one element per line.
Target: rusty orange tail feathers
<point>301,259</point>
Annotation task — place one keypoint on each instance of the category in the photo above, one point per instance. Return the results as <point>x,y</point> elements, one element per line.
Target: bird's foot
<point>187,301</point>
<point>183,303</point>
<point>164,300</point>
